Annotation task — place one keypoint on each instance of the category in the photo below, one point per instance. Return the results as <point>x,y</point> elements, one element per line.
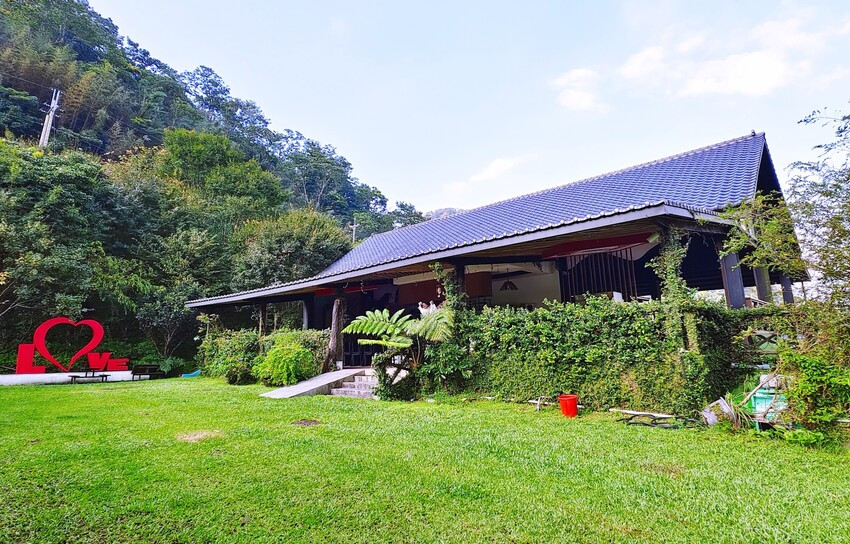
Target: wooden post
<point>261,322</point>
<point>733,282</point>
<point>460,278</point>
<point>763,289</point>
<point>261,325</point>
<point>560,266</point>
<point>335,344</point>
<point>787,292</point>
<point>307,311</point>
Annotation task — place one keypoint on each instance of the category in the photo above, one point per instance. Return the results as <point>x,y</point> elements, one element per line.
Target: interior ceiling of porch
<point>534,250</point>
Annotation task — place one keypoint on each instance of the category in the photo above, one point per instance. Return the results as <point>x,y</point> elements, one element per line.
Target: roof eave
<point>648,211</point>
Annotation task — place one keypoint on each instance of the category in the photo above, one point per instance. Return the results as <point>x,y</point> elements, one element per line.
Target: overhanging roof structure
<point>692,185</point>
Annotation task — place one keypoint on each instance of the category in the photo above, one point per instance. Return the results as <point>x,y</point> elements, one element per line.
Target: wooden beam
<point>307,310</point>
<point>763,289</point>
<point>466,261</point>
<point>460,278</point>
<point>733,281</point>
<point>560,266</point>
<point>787,291</point>
<point>601,244</point>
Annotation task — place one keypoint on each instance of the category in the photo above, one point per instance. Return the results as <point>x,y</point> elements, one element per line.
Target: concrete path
<point>60,377</point>
<point>319,385</point>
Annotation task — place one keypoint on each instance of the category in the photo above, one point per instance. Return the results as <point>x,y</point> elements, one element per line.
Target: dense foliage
<point>610,354</point>
<point>292,356</point>
<point>229,353</point>
<point>192,194</point>
<point>242,357</point>
<point>815,335</point>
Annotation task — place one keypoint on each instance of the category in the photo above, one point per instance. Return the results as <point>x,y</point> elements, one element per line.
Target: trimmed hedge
<point>292,356</point>
<point>648,356</point>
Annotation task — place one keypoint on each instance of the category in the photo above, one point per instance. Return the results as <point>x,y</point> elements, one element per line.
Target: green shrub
<point>446,365</point>
<point>240,374</point>
<point>805,437</point>
<point>230,354</point>
<point>172,365</point>
<point>286,363</point>
<point>291,356</point>
<point>819,392</point>
<point>643,356</point>
<point>315,341</point>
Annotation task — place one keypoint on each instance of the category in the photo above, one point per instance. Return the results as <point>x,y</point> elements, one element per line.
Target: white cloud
<point>578,77</point>
<point>838,74</point>
<point>491,173</point>
<point>496,168</point>
<point>690,43</point>
<point>748,74</point>
<point>577,90</point>
<point>646,63</point>
<point>772,55</point>
<point>788,35</point>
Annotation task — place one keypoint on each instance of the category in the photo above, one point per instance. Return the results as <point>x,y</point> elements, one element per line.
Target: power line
<point>26,81</point>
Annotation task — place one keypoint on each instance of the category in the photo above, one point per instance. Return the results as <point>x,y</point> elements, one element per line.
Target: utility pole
<point>353,226</point>
<point>48,119</point>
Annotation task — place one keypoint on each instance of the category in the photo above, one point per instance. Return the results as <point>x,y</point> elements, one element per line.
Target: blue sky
<point>457,104</point>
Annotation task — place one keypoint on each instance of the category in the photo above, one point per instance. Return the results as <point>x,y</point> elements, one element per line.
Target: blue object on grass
<point>194,374</point>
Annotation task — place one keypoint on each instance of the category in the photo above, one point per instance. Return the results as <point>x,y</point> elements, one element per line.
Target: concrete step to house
<point>366,379</point>
<point>351,392</point>
<point>365,386</point>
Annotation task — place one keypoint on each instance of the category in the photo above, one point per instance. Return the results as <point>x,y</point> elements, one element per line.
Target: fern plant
<point>405,340</point>
<point>400,332</point>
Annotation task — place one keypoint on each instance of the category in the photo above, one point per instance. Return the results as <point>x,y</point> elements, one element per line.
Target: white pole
<point>48,119</point>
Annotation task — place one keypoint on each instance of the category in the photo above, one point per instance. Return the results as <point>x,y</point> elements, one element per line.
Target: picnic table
<point>151,371</point>
<point>90,373</point>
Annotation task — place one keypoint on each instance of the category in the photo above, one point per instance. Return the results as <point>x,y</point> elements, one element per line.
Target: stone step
<point>348,392</point>
<point>366,386</point>
<point>370,379</point>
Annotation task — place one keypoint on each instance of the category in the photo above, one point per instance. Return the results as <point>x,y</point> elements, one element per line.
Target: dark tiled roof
<point>709,178</point>
<point>706,179</point>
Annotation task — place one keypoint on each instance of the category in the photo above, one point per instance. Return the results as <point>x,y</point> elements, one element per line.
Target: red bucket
<point>569,405</point>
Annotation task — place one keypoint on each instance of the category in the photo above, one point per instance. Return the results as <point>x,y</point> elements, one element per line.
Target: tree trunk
<point>261,327</point>
<point>335,344</point>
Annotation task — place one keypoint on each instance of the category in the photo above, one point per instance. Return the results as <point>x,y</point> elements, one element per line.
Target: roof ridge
<point>703,149</point>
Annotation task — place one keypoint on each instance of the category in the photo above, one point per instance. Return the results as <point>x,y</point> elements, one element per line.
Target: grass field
<point>199,461</point>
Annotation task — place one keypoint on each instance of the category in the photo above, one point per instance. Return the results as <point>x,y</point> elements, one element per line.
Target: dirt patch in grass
<point>306,422</point>
<point>667,469</point>
<point>197,436</point>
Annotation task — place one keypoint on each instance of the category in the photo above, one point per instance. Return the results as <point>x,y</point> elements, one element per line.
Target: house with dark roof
<point>593,236</point>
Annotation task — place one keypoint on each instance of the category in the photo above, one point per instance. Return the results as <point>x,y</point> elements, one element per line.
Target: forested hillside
<point>156,187</point>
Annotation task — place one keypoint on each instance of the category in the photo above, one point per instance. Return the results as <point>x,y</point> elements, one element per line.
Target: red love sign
<point>40,335</point>
<point>100,361</point>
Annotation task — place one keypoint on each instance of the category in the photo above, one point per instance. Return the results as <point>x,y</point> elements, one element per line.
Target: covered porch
<point>603,257</point>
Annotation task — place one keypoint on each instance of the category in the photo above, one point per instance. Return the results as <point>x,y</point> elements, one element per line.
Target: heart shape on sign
<point>38,339</point>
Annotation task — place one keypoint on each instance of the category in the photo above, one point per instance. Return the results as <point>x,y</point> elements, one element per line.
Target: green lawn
<point>110,463</point>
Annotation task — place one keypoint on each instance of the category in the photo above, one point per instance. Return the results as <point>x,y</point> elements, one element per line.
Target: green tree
<point>54,226</point>
<point>820,201</point>
<point>18,112</point>
<point>295,245</point>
